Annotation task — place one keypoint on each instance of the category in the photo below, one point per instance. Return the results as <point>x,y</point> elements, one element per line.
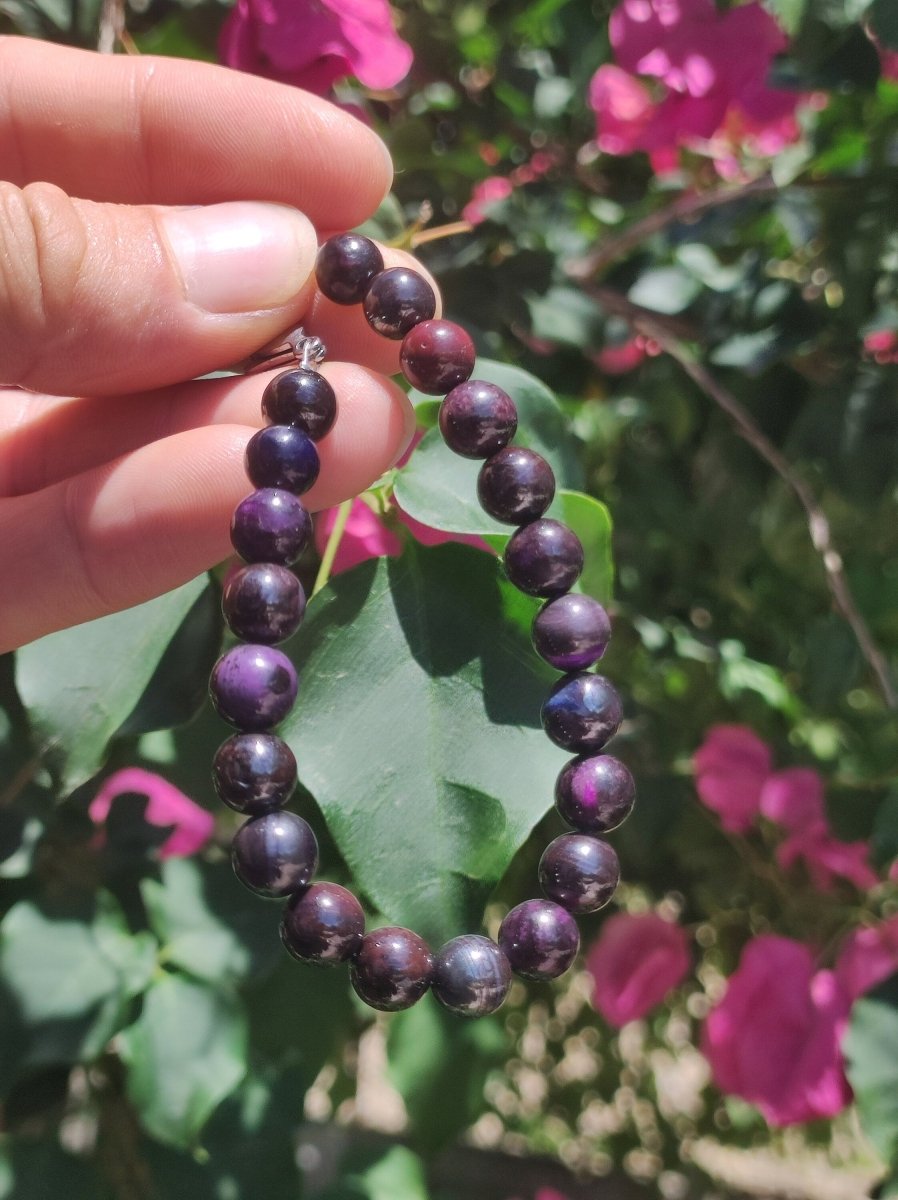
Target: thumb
<point>105,298</point>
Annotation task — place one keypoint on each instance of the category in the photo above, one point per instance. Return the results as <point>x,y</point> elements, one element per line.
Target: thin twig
<point>112,26</point>
<point>333,545</point>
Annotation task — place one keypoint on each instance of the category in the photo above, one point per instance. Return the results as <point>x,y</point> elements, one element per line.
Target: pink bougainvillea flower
<point>882,344</point>
<point>868,957</point>
<point>731,767</point>
<point>167,806</point>
<point>549,1194</point>
<point>636,962</point>
<point>622,358</point>
<point>624,108</point>
<point>484,195</point>
<point>888,64</point>
<point>827,859</point>
<point>794,798</point>
<point>313,43</point>
<point>774,1039</point>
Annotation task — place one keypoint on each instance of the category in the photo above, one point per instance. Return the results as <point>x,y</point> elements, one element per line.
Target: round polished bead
<point>392,969</point>
<point>324,924</point>
<point>263,602</point>
<point>397,300</point>
<point>253,687</point>
<point>436,356</point>
<point>471,976</point>
<point>582,712</point>
<point>540,939</point>
<point>515,485</point>
<point>544,558</point>
<point>572,632</point>
<point>579,872</point>
<point>275,854</point>
<point>345,266</point>
<point>477,419</point>
<point>302,398</point>
<point>254,773</point>
<point>270,525</point>
<point>282,456</point>
<point>595,794</point>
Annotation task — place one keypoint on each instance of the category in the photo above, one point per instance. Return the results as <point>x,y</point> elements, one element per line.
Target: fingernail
<point>242,256</point>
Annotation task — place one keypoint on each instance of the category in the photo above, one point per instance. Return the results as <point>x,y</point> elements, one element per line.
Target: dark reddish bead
<point>302,398</point>
<point>275,854</point>
<point>324,924</point>
<point>596,794</point>
<point>572,632</point>
<point>471,976</point>
<point>254,773</point>
<point>263,602</point>
<point>544,558</point>
<point>270,525</point>
<point>282,456</point>
<point>253,687</point>
<point>345,266</point>
<point>582,712</point>
<point>436,356</point>
<point>397,300</point>
<point>516,485</point>
<point>392,969</point>
<point>579,872</point>
<point>477,419</point>
<point>540,939</point>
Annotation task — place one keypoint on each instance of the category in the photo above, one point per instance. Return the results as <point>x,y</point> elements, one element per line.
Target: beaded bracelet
<point>254,685</point>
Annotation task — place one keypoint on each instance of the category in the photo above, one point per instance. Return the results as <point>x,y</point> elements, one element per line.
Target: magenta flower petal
<point>167,806</point>
<point>794,798</point>
<point>635,963</point>
<point>364,537</point>
<point>731,767</point>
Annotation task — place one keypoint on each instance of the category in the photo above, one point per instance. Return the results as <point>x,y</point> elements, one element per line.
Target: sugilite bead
<point>397,300</point>
<point>572,632</point>
<point>540,939</point>
<point>579,872</point>
<point>582,712</point>
<point>544,558</point>
<point>282,456</point>
<point>515,485</point>
<point>436,356</point>
<point>253,687</point>
<point>254,773</point>
<point>595,794</point>
<point>323,924</point>
<point>270,525</point>
<point>471,976</point>
<point>392,969</point>
<point>345,266</point>
<point>302,398</point>
<point>275,854</point>
<point>477,419</point>
<point>263,602</point>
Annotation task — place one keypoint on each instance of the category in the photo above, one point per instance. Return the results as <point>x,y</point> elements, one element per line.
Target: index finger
<point>147,130</point>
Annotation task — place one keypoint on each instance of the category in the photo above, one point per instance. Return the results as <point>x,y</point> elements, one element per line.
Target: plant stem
<point>333,545</point>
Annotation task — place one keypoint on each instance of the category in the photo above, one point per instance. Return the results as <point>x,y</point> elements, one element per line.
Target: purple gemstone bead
<point>540,939</point>
<point>254,773</point>
<point>263,602</point>
<point>477,419</point>
<point>595,795</point>
<point>582,712</point>
<point>515,485</point>
<point>471,976</point>
<point>302,398</point>
<point>282,456</point>
<point>572,632</point>
<point>275,854</point>
<point>270,526</point>
<point>544,558</point>
<point>323,925</point>
<point>392,969</point>
<point>397,300</point>
<point>345,266</point>
<point>253,687</point>
<point>436,356</point>
<point>579,872</point>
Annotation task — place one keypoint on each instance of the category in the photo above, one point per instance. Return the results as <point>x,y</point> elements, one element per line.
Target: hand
<point>117,478</point>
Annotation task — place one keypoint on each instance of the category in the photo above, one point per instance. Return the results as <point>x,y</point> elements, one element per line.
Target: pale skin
<point>118,468</point>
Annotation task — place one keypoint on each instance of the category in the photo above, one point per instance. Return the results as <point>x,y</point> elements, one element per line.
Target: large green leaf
<point>373,1173</point>
<point>79,685</point>
<point>418,730</point>
<point>871,1052</point>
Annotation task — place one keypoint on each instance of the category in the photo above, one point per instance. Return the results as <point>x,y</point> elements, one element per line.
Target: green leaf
<point>376,1174</point>
<point>666,290</point>
<point>323,998</point>
<point>42,1168</point>
<point>79,685</point>
<point>591,521</point>
<point>185,1054</point>
<point>871,1052</point>
<point>418,732</point>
